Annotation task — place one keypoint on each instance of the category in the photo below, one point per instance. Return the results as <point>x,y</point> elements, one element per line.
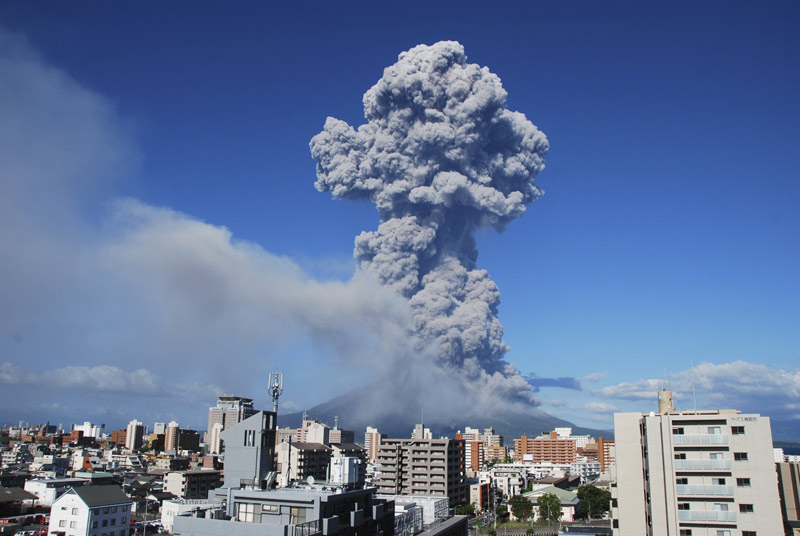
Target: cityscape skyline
<point>170,247</point>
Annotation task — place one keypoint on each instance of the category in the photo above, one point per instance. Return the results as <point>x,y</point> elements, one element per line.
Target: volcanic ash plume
<point>440,155</point>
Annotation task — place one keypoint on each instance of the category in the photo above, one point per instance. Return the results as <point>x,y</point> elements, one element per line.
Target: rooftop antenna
<point>694,393</point>
<point>336,422</point>
<point>275,388</point>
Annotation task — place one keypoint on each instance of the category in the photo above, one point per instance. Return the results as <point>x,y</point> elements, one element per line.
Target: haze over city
<point>163,242</point>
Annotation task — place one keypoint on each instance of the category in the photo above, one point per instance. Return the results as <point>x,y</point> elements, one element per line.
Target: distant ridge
<point>400,424</point>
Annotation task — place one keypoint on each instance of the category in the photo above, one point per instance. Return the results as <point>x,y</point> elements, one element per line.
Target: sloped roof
<point>15,494</point>
<point>562,494</point>
<point>102,495</point>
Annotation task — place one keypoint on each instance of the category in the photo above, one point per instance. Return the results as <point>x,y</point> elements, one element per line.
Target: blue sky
<point>669,229</point>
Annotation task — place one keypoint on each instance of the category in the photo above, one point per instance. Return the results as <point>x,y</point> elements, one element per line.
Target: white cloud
<point>742,385</point>
<point>600,407</point>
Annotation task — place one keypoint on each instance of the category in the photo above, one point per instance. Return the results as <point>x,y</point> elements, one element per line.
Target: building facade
<point>191,484</point>
<point>694,473</point>
<point>548,448</point>
<point>229,411</point>
<point>134,435</point>
<point>430,467</point>
<point>91,511</point>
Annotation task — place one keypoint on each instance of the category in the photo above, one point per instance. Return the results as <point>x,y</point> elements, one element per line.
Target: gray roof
<point>15,494</point>
<point>348,446</point>
<point>102,495</point>
<point>309,446</point>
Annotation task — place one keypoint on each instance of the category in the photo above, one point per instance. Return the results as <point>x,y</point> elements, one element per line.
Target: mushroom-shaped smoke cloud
<point>440,155</point>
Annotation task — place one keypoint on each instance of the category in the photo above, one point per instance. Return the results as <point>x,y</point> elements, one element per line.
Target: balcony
<point>700,439</point>
<point>706,515</point>
<point>716,491</point>
<point>702,465</point>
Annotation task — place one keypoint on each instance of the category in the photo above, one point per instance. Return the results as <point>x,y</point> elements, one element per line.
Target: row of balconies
<point>717,491</point>
<point>706,515</point>
<point>702,465</point>
<point>700,439</point>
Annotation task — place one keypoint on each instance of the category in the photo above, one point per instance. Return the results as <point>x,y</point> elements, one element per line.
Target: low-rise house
<point>50,489</point>
<point>91,511</point>
<point>569,500</point>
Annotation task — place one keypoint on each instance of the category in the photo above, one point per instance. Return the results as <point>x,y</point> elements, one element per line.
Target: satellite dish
<point>310,480</point>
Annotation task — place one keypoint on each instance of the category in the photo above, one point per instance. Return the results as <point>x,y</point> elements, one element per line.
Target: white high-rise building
<point>133,437</point>
<point>694,473</point>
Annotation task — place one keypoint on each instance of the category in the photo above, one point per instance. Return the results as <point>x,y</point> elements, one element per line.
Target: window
<point>743,482</point>
<point>105,522</point>
<point>74,511</point>
<point>270,508</point>
<point>94,524</point>
<point>721,507</point>
<point>62,523</point>
<point>683,506</point>
<point>718,481</point>
<point>714,430</point>
<point>113,522</point>
<point>124,519</point>
<point>122,533</point>
<point>245,511</point>
<point>740,456</point>
<point>105,510</point>
<point>681,481</point>
<point>677,431</point>
<point>749,533</point>
<point>746,508</point>
<point>73,524</point>
<point>723,533</point>
<point>716,456</point>
<point>114,510</point>
<point>680,456</point>
<point>686,532</point>
<point>737,430</point>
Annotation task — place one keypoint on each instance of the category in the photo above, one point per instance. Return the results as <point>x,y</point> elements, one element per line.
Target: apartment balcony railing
<point>717,491</point>
<point>702,465</point>
<point>700,439</point>
<point>706,515</point>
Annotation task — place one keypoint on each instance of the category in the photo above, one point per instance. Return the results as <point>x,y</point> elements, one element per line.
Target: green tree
<point>521,507</point>
<point>501,512</point>
<point>593,501</point>
<point>549,507</point>
<point>465,510</point>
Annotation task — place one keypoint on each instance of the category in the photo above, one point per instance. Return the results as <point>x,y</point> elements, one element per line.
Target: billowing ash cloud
<point>440,155</point>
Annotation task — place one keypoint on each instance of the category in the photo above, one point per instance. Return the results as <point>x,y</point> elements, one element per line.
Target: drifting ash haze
<point>116,309</point>
<point>440,156</point>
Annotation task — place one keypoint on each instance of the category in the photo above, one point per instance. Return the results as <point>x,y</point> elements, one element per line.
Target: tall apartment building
<point>430,467</point>
<point>372,439</point>
<point>171,436</point>
<point>134,434</point>
<point>549,448</point>
<point>605,452</point>
<point>229,411</point>
<point>694,473</point>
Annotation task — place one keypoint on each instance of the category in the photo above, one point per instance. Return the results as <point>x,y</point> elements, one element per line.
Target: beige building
<point>229,411</point>
<point>694,473</point>
<point>549,448</point>
<point>372,439</point>
<point>429,467</point>
<point>193,484</point>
